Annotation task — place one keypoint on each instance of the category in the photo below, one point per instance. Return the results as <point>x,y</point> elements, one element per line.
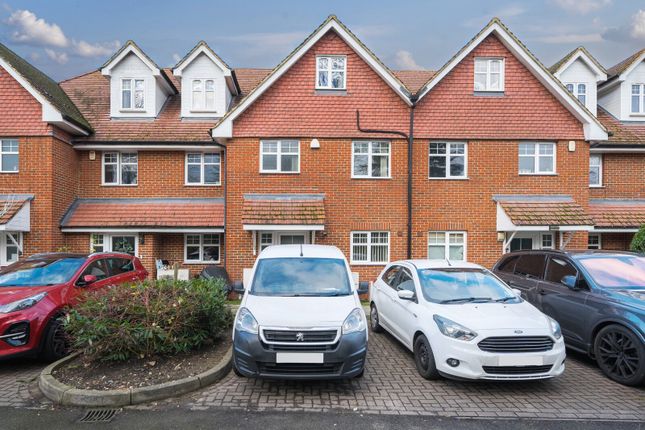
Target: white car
<point>300,316</point>
<point>461,321</point>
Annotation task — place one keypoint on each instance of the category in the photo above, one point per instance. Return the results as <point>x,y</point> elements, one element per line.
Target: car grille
<point>298,368</point>
<point>516,370</point>
<point>300,347</point>
<point>516,344</point>
<point>311,336</point>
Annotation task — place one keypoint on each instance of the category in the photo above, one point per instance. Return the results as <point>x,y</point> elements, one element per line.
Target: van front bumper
<point>344,359</point>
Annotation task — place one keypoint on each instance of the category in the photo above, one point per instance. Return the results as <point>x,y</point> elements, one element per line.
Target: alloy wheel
<point>618,354</point>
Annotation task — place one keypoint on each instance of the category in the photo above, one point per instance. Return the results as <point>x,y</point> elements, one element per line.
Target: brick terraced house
<point>204,164</point>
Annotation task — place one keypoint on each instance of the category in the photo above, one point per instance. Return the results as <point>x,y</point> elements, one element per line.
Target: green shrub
<point>149,318</point>
<point>638,242</point>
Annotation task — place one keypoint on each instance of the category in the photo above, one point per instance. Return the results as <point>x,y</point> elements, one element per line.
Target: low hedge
<point>151,318</point>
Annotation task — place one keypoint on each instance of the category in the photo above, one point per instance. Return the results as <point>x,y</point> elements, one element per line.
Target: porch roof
<point>280,211</point>
<point>617,214</point>
<point>15,212</point>
<point>540,212</point>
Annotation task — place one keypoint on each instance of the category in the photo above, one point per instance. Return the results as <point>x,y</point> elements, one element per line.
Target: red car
<point>34,293</point>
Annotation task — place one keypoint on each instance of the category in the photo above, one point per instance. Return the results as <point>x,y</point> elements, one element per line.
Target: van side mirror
<point>86,280</point>
<point>363,287</point>
<point>570,282</point>
<point>238,287</point>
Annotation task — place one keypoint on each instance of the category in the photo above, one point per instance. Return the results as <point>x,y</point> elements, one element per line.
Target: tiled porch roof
<point>179,213</point>
<point>545,210</point>
<point>622,132</point>
<point>10,205</point>
<point>283,209</point>
<point>610,213</point>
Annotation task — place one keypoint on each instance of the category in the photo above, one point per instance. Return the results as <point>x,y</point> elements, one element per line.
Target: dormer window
<point>638,98</point>
<point>331,72</point>
<point>579,91</point>
<point>132,94</point>
<point>203,97</point>
<point>489,74</point>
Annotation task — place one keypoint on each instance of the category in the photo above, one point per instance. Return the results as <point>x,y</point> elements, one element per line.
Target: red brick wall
<point>20,112</point>
<point>623,176</point>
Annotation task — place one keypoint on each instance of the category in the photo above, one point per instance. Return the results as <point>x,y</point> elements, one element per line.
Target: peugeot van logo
<point>518,332</point>
<point>300,336</point>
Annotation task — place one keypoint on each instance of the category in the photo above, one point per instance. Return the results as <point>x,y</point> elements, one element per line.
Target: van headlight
<point>555,328</point>
<point>246,322</point>
<point>21,304</point>
<point>452,329</point>
<point>354,322</point>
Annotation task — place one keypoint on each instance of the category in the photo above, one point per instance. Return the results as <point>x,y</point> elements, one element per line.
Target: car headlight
<point>21,304</point>
<point>354,322</point>
<point>246,322</point>
<point>555,328</point>
<point>452,329</point>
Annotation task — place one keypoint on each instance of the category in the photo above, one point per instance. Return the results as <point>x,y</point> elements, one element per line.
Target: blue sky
<point>69,37</point>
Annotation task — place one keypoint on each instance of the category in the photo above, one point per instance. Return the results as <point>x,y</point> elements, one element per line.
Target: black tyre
<point>424,358</point>
<point>620,355</point>
<point>237,372</point>
<point>374,319</point>
<point>55,342</point>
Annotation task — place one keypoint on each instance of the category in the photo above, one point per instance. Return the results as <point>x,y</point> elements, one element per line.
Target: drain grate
<point>98,416</point>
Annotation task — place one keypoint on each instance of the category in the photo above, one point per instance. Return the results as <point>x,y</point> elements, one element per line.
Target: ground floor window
<point>10,246</point>
<point>116,242</point>
<point>268,238</point>
<point>524,241</point>
<point>202,248</point>
<point>594,241</point>
<point>447,245</point>
<point>370,247</point>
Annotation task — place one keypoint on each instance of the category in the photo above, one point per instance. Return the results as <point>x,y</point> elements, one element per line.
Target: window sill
<point>448,179</point>
<point>203,185</point>
<point>9,171</point>
<point>119,185</point>
<point>201,262</point>
<point>331,91</point>
<point>364,263</point>
<point>278,173</point>
<point>378,178</point>
<point>596,186</point>
<point>133,110</point>
<point>203,111</point>
<point>637,114</point>
<point>488,93</point>
<point>537,174</point>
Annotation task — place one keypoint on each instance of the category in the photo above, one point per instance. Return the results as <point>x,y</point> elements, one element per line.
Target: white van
<point>300,316</point>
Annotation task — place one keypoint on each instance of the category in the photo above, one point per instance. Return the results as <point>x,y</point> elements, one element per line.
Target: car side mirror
<point>570,282</point>
<point>238,287</point>
<point>405,295</point>
<point>87,280</point>
<point>363,287</point>
<point>517,292</point>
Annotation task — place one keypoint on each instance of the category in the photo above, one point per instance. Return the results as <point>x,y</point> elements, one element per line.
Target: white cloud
<point>58,57</point>
<point>36,31</point>
<point>572,38</point>
<point>508,11</point>
<point>176,57</point>
<point>86,49</point>
<point>638,25</point>
<point>582,6</point>
<point>404,60</point>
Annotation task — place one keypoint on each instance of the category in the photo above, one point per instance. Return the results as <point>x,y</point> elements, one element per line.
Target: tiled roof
<point>283,209</point>
<point>545,212</point>
<point>617,213</point>
<point>150,213</point>
<point>46,86</point>
<point>622,132</point>
<point>414,80</point>
<point>623,65</point>
<point>9,207</point>
<point>566,58</point>
<point>250,78</point>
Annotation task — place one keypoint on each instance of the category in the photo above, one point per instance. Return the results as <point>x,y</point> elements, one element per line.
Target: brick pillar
<point>149,252</point>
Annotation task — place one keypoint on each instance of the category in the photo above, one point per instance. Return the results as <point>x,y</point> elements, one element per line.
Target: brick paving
<point>17,382</point>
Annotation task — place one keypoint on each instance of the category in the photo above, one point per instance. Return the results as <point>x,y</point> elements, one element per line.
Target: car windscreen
<point>33,273</point>
<point>615,271</point>
<point>463,286</point>
<point>301,277</point>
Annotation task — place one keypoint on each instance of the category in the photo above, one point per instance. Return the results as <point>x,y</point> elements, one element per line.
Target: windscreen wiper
<point>467,300</point>
<point>506,299</point>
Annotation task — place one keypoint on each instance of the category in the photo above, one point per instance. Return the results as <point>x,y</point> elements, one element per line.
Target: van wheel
<point>374,321</point>
<point>424,358</point>
<point>620,355</point>
<point>55,344</point>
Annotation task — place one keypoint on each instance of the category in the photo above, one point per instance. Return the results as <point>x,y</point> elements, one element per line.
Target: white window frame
<point>447,244</point>
<point>202,163</point>
<point>599,236</point>
<point>575,90</point>
<point>107,241</point>
<point>6,241</point>
<point>119,164</point>
<point>489,61</point>
<point>278,154</point>
<point>552,238</point>
<point>329,70</point>
<point>369,154</point>
<point>3,153</point>
<point>369,245</point>
<point>203,95</point>
<point>201,246</point>
<point>599,166</point>
<point>641,98</point>
<point>446,157</point>
<point>132,90</point>
<point>536,159</point>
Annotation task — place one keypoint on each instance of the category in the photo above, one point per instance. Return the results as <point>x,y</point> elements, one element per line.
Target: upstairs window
<point>279,156</point>
<point>489,74</point>
<point>579,91</point>
<point>595,170</point>
<point>120,168</point>
<point>447,160</point>
<point>331,72</point>
<point>537,158</point>
<point>8,155</point>
<point>132,94</point>
<point>638,98</point>
<point>202,169</point>
<point>371,159</point>
<point>203,97</point>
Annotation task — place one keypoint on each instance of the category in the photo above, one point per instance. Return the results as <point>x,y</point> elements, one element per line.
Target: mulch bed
<point>95,375</point>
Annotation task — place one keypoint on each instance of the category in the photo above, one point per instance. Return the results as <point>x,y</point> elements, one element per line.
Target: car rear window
<point>118,266</point>
<point>530,265</point>
<point>558,268</point>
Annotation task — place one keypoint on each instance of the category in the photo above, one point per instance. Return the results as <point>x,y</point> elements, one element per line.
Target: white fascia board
<point>593,130</point>
<point>571,228</point>
<point>601,76</point>
<point>282,227</point>
<point>107,70</point>
<point>177,71</point>
<point>628,70</point>
<point>141,230</point>
<point>617,150</point>
<point>124,147</point>
<point>614,230</point>
<point>20,221</point>
<point>224,129</point>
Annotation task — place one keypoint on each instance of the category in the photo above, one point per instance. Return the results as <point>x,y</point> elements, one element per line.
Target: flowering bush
<point>149,318</point>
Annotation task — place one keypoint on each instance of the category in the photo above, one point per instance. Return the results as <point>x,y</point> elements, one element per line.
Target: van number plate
<point>299,357</point>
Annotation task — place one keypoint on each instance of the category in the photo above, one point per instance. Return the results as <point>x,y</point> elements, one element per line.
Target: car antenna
<point>301,250</point>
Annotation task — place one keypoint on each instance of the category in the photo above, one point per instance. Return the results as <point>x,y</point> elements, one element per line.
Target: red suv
<point>34,293</point>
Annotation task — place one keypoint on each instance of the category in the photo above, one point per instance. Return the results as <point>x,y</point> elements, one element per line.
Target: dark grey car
<point>598,297</point>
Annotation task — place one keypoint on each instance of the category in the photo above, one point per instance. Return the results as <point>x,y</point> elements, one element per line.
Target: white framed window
<point>579,90</point>
<point>370,247</point>
<point>594,241</point>
<point>203,168</point>
<point>202,248</point>
<point>638,98</point>
<point>595,170</point>
<point>447,160</point>
<point>115,242</point>
<point>133,94</point>
<point>447,245</point>
<point>371,159</point>
<point>280,156</point>
<point>547,241</point>
<point>10,246</point>
<point>120,168</point>
<point>331,72</point>
<point>537,158</point>
<point>266,239</point>
<point>9,155</point>
<point>489,74</point>
<point>203,95</point>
